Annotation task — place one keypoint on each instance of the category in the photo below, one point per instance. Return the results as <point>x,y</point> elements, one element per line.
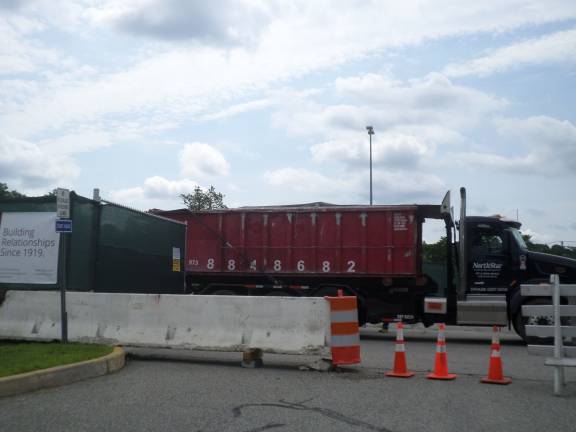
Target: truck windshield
<point>518,236</point>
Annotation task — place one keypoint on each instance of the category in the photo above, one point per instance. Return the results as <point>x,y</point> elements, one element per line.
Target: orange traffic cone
<point>400,369</point>
<point>441,361</point>
<point>495,375</point>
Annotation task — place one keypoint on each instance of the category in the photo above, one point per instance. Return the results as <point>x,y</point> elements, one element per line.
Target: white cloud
<point>415,121</point>
<point>392,187</point>
<point>495,162</point>
<point>552,142</point>
<point>392,150</point>
<point>12,5</point>
<point>557,47</point>
<point>433,99</point>
<point>159,187</point>
<point>310,182</point>
<point>155,192</point>
<point>202,160</point>
<point>388,187</point>
<point>30,169</point>
<point>433,109</point>
<point>84,140</point>
<point>537,146</point>
<point>296,39</point>
<point>226,22</point>
<point>538,237</point>
<point>18,52</point>
<point>233,110</point>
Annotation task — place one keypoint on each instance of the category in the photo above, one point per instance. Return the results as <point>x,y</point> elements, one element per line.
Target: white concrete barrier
<point>286,325</point>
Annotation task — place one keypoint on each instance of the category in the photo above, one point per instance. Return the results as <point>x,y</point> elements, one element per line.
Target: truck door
<point>489,262</point>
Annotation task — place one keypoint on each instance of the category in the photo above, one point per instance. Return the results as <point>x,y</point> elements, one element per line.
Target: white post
<point>558,345</point>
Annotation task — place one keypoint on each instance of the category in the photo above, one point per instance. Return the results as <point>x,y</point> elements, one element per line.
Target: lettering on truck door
<point>489,264</point>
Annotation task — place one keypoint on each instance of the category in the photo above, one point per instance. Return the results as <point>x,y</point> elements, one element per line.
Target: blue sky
<point>268,101</point>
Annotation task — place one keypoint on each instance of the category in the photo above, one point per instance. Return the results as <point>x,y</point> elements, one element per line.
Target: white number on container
<point>253,265</point>
<point>326,266</point>
<point>277,265</point>
<point>210,264</point>
<point>231,265</point>
<point>300,265</point>
<point>351,266</point>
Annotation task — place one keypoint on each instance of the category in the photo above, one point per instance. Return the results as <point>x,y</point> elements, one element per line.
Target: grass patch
<point>21,357</point>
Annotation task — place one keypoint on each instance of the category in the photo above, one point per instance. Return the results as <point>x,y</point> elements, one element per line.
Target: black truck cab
<point>495,261</point>
<point>499,259</point>
<point>498,262</point>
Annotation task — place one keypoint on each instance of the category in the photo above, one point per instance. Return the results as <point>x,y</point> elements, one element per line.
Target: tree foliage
<point>203,200</point>
<point>555,249</point>
<point>5,193</point>
<point>435,252</point>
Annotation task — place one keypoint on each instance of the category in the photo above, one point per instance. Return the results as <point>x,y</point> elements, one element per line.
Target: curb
<point>62,375</point>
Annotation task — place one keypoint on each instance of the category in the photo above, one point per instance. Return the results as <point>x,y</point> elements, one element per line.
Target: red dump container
<point>333,240</point>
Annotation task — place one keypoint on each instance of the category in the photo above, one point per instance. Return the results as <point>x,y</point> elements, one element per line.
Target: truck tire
<point>519,322</point>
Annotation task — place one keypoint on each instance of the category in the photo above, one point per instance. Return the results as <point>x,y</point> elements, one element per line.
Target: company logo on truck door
<point>487,266</point>
<point>487,270</point>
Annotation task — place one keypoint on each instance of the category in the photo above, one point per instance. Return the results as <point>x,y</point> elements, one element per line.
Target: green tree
<point>203,200</point>
<point>435,252</point>
<point>556,249</point>
<point>8,194</point>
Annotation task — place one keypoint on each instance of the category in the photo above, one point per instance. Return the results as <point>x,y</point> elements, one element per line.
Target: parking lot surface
<point>193,391</point>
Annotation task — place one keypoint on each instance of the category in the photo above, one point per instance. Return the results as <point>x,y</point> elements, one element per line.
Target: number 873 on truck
<point>372,252</point>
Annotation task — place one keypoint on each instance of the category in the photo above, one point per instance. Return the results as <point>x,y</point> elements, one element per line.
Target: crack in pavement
<point>334,415</point>
<point>267,427</point>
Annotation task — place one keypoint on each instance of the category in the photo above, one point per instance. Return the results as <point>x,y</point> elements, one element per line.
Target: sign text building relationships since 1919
<point>28,248</point>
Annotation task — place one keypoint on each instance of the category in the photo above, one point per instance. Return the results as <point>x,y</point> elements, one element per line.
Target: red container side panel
<point>332,241</point>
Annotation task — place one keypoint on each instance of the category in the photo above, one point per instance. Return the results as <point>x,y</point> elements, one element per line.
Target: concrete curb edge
<point>62,375</point>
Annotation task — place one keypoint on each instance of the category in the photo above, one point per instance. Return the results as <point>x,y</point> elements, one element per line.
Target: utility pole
<point>370,130</point>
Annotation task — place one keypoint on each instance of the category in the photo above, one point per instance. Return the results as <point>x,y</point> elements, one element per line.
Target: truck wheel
<point>521,322</point>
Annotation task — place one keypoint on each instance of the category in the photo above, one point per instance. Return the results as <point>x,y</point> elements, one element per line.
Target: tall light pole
<point>370,130</point>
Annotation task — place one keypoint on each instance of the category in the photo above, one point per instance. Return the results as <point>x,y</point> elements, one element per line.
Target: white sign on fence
<point>28,248</point>
<point>63,203</point>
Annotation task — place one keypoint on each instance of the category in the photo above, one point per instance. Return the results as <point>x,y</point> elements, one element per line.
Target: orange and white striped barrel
<point>344,333</point>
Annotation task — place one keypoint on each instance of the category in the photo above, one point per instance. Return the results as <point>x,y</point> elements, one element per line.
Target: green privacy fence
<point>113,248</point>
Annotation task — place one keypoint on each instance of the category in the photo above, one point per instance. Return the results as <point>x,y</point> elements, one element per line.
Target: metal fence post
<point>558,343</point>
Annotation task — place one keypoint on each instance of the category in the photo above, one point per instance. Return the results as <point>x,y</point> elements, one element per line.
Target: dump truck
<point>372,252</point>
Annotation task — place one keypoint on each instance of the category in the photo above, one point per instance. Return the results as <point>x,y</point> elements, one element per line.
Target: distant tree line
<point>6,193</point>
<point>436,252</point>
<point>200,199</point>
<point>555,249</point>
<point>210,199</point>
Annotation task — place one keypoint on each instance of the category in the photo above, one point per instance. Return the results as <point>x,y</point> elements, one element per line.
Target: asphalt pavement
<point>192,391</point>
